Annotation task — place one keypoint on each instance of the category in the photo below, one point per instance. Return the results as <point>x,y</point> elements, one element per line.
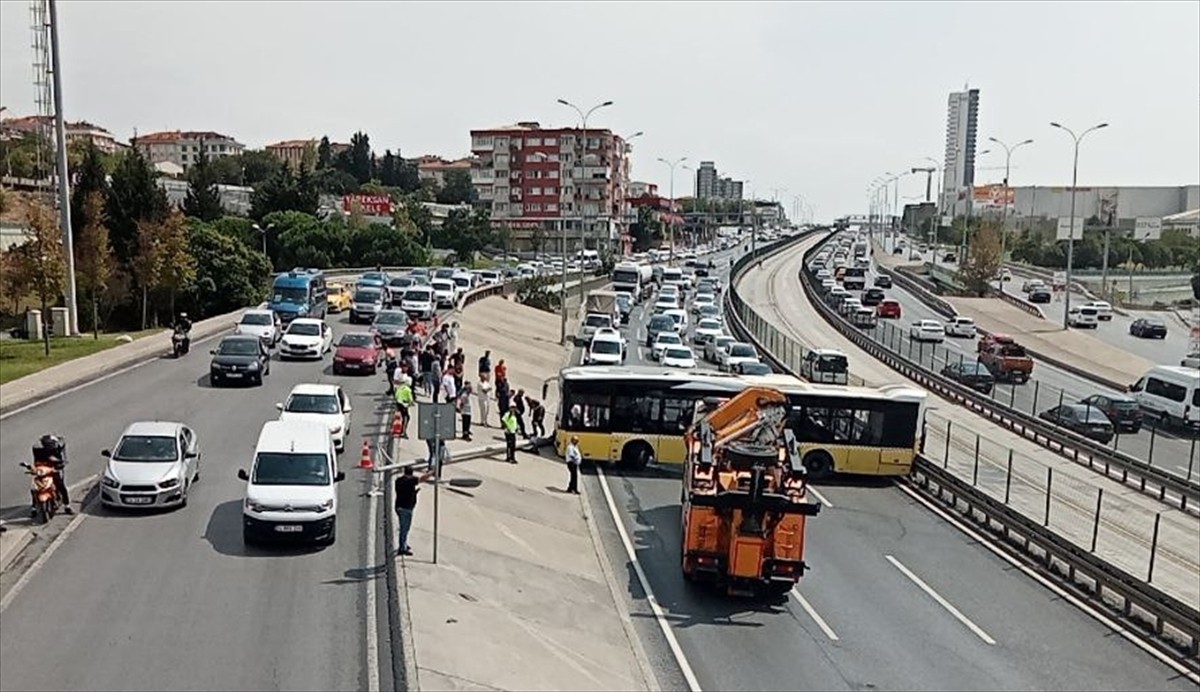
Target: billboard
<point>994,195</point>
<point>371,205</point>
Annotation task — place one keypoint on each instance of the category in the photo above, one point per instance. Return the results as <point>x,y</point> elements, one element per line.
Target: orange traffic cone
<point>365,462</point>
<point>397,426</point>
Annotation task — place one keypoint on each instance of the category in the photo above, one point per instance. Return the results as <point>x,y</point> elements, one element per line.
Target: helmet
<point>183,314</point>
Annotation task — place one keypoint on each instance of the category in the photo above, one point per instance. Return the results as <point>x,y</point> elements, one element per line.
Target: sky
<point>812,99</point>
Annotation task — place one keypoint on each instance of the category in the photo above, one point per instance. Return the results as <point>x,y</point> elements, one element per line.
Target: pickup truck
<point>1005,358</point>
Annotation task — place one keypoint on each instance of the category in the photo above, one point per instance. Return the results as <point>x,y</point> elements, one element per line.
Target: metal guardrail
<point>1172,625</point>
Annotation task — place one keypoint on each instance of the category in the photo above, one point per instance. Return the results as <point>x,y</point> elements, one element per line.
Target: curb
<point>21,539</point>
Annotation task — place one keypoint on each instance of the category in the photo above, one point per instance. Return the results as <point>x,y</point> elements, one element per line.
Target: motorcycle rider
<point>55,451</point>
<point>183,327</point>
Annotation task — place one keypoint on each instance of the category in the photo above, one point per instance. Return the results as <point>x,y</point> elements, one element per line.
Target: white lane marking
<point>372,584</point>
<point>680,659</point>
<point>820,497</point>
<point>41,561</point>
<point>1052,586</point>
<point>812,613</point>
<point>941,601</point>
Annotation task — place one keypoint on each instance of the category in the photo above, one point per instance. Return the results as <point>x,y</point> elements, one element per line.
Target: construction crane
<point>744,497</point>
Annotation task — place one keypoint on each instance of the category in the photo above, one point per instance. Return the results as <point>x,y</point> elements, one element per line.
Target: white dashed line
<point>812,613</point>
<point>942,601</point>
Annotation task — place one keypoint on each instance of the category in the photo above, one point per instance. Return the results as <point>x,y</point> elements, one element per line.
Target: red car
<point>357,352</point>
<point>888,309</point>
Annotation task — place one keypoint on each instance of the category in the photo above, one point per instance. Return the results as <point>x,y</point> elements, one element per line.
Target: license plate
<point>233,374</point>
<point>138,500</point>
<point>289,528</point>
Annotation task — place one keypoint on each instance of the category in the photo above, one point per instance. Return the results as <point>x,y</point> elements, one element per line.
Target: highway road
<point>896,599</point>
<point>1172,450</point>
<point>173,600</point>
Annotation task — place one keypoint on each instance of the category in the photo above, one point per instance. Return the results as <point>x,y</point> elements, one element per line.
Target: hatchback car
<point>1122,410</point>
<point>265,324</point>
<point>658,324</point>
<point>973,374</point>
<point>873,296</point>
<point>357,352</point>
<point>1085,420</point>
<point>714,348</point>
<point>883,281</point>
<point>390,326</point>
<point>664,341</point>
<point>239,359</point>
<point>961,326</point>
<point>337,298</point>
<point>678,357</point>
<point>326,404</point>
<point>707,329</point>
<point>752,368</point>
<point>153,465</point>
<point>1040,294</point>
<point>1148,328</point>
<point>737,352</point>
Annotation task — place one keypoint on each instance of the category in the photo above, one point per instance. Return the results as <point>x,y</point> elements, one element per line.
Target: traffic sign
<point>947,220</point>
<point>1068,230</point>
<point>1147,228</point>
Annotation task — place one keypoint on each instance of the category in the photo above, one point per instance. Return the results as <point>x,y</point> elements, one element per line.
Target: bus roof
<point>783,382</point>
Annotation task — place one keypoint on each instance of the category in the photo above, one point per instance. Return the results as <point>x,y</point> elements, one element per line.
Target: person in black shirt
<point>407,486</point>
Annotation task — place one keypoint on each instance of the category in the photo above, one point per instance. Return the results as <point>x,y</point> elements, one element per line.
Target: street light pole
<point>64,183</point>
<point>671,226</point>
<point>1004,215</point>
<point>1071,229</point>
<point>583,116</point>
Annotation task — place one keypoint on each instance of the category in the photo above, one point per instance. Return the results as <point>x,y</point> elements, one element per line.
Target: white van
<point>1083,316</point>
<point>291,491</point>
<point>825,366</point>
<point>418,302</point>
<point>672,276</point>
<point>1170,393</point>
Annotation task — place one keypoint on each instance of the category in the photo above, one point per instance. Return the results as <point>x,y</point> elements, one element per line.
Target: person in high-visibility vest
<point>404,400</point>
<point>509,422</point>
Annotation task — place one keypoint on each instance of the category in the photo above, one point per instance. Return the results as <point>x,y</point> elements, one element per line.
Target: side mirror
<point>106,453</point>
<point>242,475</point>
<point>212,352</point>
<point>341,476</point>
<point>347,409</point>
<point>191,454</point>
<point>278,407</point>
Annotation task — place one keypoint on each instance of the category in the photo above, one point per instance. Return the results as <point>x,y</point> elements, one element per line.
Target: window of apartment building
<point>551,142</point>
<point>567,140</point>
<point>535,190</point>
<point>183,157</point>
<point>533,207</point>
<point>502,141</point>
<point>482,141</point>
<point>222,148</point>
<point>553,175</point>
<point>533,142</point>
<point>552,190</point>
<point>500,207</point>
<point>501,160</point>
<point>552,207</point>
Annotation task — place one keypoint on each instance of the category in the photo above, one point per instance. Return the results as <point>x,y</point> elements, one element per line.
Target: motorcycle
<point>180,342</point>
<point>46,501</point>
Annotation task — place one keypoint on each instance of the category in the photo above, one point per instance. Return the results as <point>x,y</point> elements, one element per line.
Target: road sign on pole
<point>435,423</point>
<point>1067,230</point>
<point>1147,228</point>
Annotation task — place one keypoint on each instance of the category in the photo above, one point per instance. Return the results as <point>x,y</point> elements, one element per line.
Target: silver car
<point>153,465</point>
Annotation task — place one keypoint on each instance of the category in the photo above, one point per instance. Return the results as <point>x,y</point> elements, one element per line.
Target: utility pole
<point>1008,151</point>
<point>582,141</point>
<point>671,219</point>
<point>1071,230</point>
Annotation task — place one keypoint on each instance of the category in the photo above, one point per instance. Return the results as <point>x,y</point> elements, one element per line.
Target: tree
<point>14,283</point>
<point>332,181</point>
<point>178,266</point>
<point>285,192</point>
<point>360,159</point>
<point>134,197</point>
<point>380,244</point>
<point>421,217</point>
<point>89,177</point>
<point>466,232</point>
<point>324,154</point>
<point>983,260</point>
<point>42,261</point>
<point>95,262</point>
<point>389,169</point>
<point>203,199</point>
<point>458,189</point>
<point>227,170</point>
<point>147,262</point>
<point>229,273</point>
<point>258,166</point>
<point>646,231</point>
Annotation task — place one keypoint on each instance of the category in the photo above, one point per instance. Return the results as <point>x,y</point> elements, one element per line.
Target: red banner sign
<point>372,205</point>
<point>995,195</point>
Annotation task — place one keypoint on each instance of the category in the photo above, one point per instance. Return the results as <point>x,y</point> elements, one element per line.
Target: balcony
<point>482,144</point>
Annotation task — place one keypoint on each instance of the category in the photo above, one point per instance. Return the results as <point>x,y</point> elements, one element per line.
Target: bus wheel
<point>636,456</point>
<point>819,465</point>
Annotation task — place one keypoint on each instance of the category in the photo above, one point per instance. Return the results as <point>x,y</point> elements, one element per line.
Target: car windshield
<point>391,318</point>
<point>676,317</point>
<point>146,448</point>
<point>661,322</point>
<point>723,341</point>
<point>1095,415</point>
<point>372,276</point>
<point>289,295</point>
<point>679,353</point>
<point>400,282</point>
<point>606,347</point>
<point>313,403</point>
<point>417,296</point>
<point>441,285</point>
<point>708,324</point>
<point>1155,322</point>
<point>281,468</point>
<point>304,329</point>
<point>238,347</point>
<point>257,318</point>
<point>754,369</point>
<point>669,338</point>
<point>1125,405</point>
<point>975,369</point>
<point>356,341</point>
<point>367,296</point>
<point>741,351</point>
<point>598,321</point>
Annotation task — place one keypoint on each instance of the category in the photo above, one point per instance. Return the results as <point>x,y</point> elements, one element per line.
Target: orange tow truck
<point>744,497</point>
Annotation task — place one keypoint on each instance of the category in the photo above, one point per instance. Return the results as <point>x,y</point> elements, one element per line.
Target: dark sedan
<point>883,281</point>
<point>1039,294</point>
<point>356,352</point>
<point>973,374</point>
<point>1148,328</point>
<point>873,296</point>
<point>752,368</point>
<point>390,326</point>
<point>396,287</point>
<point>1088,421</point>
<point>1122,410</point>
<point>239,359</point>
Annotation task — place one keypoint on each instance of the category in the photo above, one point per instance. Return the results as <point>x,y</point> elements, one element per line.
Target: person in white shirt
<point>574,458</point>
<point>449,388</point>
<point>484,394</point>
<point>466,407</point>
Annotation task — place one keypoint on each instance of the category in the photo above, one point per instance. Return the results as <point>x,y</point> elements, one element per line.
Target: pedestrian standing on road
<point>449,386</point>
<point>389,366</point>
<point>537,416</point>
<point>407,487</point>
<point>501,370</point>
<point>503,394</point>
<point>404,402</point>
<point>466,406</point>
<point>428,380</point>
<point>519,403</point>
<point>508,421</point>
<point>484,393</point>
<point>485,367</point>
<point>458,358</point>
<point>574,459</point>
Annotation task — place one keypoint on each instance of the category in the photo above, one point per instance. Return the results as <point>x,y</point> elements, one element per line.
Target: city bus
<point>637,415</point>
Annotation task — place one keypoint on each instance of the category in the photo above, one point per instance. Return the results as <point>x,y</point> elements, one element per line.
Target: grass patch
<point>19,358</point>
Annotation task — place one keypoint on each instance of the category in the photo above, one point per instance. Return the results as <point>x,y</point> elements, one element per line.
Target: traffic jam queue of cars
<point>290,480</point>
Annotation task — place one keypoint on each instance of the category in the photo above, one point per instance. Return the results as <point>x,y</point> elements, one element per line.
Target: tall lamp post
<point>582,141</point>
<point>628,139</point>
<point>1071,232</point>
<point>1008,151</point>
<point>671,226</point>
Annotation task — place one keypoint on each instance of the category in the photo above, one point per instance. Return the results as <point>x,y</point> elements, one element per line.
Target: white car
<point>463,281</point>
<point>823,273</point>
<point>264,324</point>
<point>444,292</point>
<point>678,357</point>
<point>1104,311</point>
<point>961,326</point>
<point>326,404</point>
<point>737,352</point>
<point>1191,360</point>
<point>306,337</point>
<point>1083,316</point>
<point>701,300</point>
<point>927,330</point>
<point>707,329</point>
<point>669,291</point>
<point>681,318</point>
<point>153,465</point>
<point>716,346</point>
<point>664,341</point>
<point>665,303</point>
<point>849,305</point>
<point>418,302</point>
<point>605,349</point>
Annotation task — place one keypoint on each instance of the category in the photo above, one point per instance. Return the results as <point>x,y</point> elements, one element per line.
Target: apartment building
<point>184,148</point>
<point>81,130</point>
<point>435,167</point>
<point>711,185</point>
<point>292,151</point>
<point>543,181</point>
